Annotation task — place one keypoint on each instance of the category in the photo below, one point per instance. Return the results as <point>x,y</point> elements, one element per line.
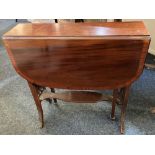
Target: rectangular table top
<point>102,29</point>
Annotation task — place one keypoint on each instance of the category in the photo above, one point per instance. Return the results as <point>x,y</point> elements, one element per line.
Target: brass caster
<point>122,130</point>
<point>113,118</point>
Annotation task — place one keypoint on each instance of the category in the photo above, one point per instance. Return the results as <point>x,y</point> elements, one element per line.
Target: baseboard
<point>152,51</point>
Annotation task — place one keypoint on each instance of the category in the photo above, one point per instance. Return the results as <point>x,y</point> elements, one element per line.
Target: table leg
<point>35,93</point>
<point>123,108</point>
<point>114,100</point>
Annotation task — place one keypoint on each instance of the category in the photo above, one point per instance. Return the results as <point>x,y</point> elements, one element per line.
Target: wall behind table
<point>150,24</point>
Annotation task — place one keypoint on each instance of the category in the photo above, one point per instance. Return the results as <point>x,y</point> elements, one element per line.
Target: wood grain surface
<point>79,64</point>
<point>79,56</point>
<point>78,29</point>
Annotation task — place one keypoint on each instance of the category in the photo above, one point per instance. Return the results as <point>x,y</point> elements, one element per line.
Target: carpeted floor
<point>18,114</point>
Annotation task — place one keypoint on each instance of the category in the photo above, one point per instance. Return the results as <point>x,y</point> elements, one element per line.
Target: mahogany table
<point>82,56</point>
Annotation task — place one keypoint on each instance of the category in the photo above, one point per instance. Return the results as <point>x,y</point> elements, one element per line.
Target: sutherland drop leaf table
<point>82,56</point>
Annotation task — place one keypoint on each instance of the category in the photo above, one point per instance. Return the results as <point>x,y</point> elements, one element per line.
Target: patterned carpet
<point>18,114</point>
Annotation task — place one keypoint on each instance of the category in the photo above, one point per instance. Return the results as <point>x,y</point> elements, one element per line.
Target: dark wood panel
<point>79,64</point>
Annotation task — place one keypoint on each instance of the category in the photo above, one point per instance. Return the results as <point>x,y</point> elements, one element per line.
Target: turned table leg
<point>35,93</point>
<point>125,94</point>
<point>114,100</point>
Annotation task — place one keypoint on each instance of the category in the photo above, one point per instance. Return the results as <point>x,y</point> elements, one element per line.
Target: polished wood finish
<point>35,93</point>
<point>82,56</point>
<point>121,94</point>
<point>82,60</point>
<point>123,108</point>
<point>90,29</point>
<point>78,96</point>
<point>114,101</point>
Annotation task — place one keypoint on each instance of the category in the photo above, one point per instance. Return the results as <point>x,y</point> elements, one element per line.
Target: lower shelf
<point>77,96</point>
